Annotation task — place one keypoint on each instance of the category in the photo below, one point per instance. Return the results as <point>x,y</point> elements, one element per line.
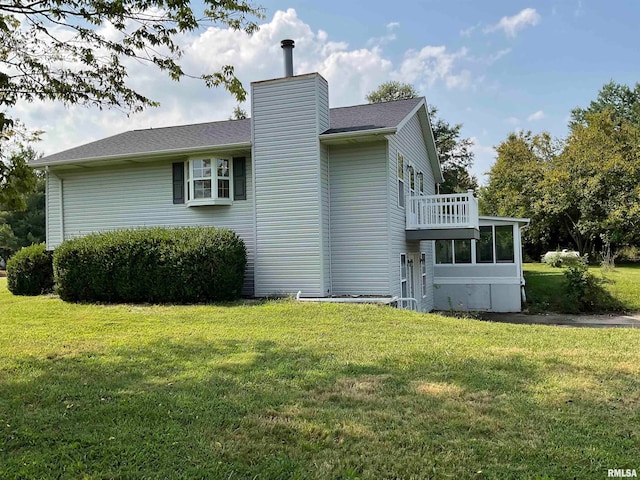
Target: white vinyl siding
<point>359,263</point>
<point>409,141</point>
<point>53,199</point>
<point>326,217</point>
<point>141,195</point>
<point>287,115</point>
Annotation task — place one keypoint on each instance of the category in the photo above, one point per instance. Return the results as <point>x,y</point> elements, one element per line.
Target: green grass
<point>545,287</point>
<point>291,390</point>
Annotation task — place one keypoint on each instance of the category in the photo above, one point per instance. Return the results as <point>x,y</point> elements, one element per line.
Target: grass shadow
<point>241,409</point>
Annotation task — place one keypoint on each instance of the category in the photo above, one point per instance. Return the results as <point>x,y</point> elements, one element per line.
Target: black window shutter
<point>239,179</point>
<point>178,182</point>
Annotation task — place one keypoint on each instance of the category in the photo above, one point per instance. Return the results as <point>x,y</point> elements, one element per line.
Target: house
<point>336,202</point>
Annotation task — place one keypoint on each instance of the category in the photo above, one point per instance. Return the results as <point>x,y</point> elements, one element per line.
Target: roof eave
<point>41,163</point>
<point>522,221</point>
<point>356,135</point>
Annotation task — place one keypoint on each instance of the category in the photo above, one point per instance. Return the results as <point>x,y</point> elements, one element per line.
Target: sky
<point>493,66</point>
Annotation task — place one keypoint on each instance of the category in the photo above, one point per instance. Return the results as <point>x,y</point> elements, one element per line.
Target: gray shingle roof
<point>370,116</point>
<point>212,134</point>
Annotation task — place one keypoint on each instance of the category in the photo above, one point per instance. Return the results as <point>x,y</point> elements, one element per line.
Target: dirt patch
<point>3,273</point>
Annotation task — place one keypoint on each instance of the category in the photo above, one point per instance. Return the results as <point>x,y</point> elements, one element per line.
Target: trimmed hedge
<point>30,271</point>
<point>153,265</point>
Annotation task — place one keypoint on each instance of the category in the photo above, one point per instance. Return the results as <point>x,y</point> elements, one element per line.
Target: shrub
<point>585,291</point>
<point>154,265</point>
<point>30,271</point>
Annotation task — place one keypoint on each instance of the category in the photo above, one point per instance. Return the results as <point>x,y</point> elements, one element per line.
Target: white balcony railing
<point>457,210</point>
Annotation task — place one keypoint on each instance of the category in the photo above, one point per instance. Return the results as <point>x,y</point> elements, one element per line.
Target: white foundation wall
<point>481,297</point>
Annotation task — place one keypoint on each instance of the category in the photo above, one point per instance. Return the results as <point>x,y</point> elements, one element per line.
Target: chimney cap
<point>288,43</point>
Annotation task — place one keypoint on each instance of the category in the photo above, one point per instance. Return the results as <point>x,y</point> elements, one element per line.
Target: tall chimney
<point>287,50</point>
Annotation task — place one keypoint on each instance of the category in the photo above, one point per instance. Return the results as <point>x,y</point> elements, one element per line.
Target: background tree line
<point>582,191</point>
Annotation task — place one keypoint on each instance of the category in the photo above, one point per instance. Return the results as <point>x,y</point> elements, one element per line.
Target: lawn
<point>297,390</point>
<point>545,287</point>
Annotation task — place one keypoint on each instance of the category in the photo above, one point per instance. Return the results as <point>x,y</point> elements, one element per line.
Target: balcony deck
<point>434,217</point>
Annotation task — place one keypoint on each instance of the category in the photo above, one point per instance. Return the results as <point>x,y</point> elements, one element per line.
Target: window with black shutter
<point>239,179</point>
<point>178,183</point>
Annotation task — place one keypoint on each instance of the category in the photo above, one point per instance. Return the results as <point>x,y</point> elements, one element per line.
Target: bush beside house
<point>155,265</point>
<point>30,271</point>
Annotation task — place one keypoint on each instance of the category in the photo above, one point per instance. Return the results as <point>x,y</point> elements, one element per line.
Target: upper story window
<point>412,180</point>
<point>400,180</point>
<point>421,183</point>
<point>209,181</point>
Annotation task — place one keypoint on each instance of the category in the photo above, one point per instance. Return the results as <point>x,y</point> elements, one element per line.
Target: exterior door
<point>414,279</point>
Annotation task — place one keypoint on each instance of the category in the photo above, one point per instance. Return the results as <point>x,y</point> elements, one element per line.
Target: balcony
<point>442,217</point>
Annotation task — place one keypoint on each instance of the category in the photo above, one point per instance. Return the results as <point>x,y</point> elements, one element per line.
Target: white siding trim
<point>476,281</point>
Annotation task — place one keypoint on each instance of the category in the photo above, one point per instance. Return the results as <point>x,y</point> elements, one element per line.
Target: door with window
<point>410,276</point>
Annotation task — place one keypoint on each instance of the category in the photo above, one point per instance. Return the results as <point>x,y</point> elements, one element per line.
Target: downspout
<point>523,294</point>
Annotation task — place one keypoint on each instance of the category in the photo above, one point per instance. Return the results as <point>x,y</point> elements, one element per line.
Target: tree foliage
<point>515,182</point>
<point>594,186</point>
<point>456,156</point>
<point>620,101</point>
<point>391,91</point>
<point>238,113</point>
<point>584,190</point>
<point>16,179</point>
<point>76,52</point>
<point>22,219</point>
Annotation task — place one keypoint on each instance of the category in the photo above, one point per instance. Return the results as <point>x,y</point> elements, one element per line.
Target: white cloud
<point>468,31</point>
<point>535,116</point>
<point>493,58</point>
<point>432,64</point>
<point>513,120</point>
<point>512,25</point>
<point>351,73</point>
<point>384,39</point>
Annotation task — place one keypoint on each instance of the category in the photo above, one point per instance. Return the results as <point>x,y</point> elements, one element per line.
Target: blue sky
<point>494,66</point>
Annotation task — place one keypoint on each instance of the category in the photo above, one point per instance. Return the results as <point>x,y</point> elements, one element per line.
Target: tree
<point>54,50</point>
<point>515,185</point>
<point>622,103</point>
<point>23,228</point>
<point>456,156</point>
<point>391,91</point>
<point>16,179</point>
<point>594,185</point>
<point>238,114</point>
<point>22,223</point>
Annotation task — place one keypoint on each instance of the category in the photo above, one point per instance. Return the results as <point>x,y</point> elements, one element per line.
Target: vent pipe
<point>287,50</point>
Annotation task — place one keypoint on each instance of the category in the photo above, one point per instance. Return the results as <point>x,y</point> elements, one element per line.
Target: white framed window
<point>496,245</point>
<point>400,180</point>
<point>454,251</point>
<point>423,273</point>
<point>404,284</point>
<point>209,181</point>
<point>421,183</point>
<point>412,180</point>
